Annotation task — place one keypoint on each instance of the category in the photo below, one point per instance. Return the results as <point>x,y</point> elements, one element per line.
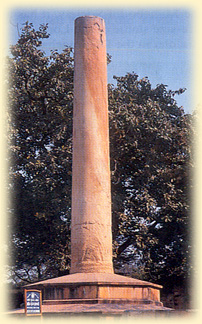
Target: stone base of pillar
<point>99,288</point>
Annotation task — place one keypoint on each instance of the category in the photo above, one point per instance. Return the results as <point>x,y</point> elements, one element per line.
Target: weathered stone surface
<point>98,288</point>
<point>91,238</point>
<point>103,293</point>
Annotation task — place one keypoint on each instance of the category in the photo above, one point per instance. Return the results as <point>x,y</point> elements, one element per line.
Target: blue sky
<point>154,43</point>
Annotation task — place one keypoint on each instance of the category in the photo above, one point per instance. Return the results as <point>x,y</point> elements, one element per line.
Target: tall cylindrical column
<point>91,237</point>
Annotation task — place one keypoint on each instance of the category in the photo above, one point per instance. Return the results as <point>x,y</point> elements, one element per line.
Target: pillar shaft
<point>91,237</point>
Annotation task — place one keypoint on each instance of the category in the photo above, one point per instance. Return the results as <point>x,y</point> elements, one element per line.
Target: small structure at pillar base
<point>99,288</point>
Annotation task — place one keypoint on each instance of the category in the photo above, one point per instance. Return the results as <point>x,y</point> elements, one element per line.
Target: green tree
<point>151,159</point>
<point>40,101</point>
<point>151,162</point>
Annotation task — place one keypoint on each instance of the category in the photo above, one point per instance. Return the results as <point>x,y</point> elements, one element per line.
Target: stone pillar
<point>91,237</point>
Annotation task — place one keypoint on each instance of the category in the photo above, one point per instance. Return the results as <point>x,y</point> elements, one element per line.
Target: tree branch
<point>124,245</point>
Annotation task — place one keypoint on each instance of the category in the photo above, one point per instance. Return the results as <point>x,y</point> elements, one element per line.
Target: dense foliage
<point>151,161</point>
<point>151,179</point>
<point>40,103</point>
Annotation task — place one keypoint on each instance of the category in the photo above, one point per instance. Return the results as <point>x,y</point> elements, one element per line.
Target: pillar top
<point>88,17</point>
<point>86,21</point>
